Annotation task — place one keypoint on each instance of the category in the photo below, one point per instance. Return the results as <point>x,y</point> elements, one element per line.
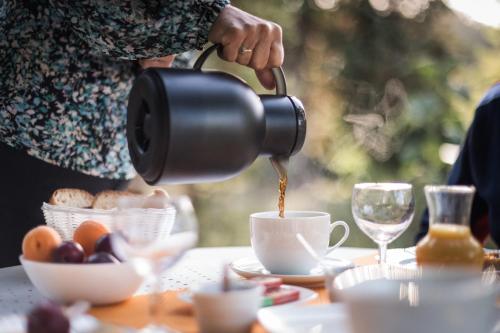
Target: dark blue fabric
<point>479,164</point>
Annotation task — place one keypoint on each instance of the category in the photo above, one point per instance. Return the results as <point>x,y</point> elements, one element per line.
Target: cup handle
<point>343,239</point>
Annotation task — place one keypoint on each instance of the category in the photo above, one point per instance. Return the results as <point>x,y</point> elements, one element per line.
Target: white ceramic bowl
<point>98,284</point>
<point>395,300</point>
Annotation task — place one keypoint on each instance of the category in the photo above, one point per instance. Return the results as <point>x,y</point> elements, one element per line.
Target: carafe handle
<point>279,75</point>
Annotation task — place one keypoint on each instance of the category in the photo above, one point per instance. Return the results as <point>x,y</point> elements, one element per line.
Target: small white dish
<point>324,318</point>
<point>232,311</point>
<point>250,267</point>
<point>305,295</point>
<point>98,284</point>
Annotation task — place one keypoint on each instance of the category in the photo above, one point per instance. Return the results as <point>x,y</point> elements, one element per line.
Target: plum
<point>47,317</point>
<point>107,243</point>
<point>101,258</point>
<point>69,252</point>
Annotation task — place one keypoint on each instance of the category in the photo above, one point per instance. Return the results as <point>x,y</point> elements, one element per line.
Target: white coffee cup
<point>276,246</point>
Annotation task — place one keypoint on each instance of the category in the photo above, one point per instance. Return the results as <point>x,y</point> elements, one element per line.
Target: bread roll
<point>109,199</point>
<point>71,197</point>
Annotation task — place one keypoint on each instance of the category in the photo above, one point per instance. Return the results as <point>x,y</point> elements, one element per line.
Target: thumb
<point>266,78</point>
<point>162,62</point>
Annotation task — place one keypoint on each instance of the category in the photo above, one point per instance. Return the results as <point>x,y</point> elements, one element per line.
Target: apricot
<point>88,233</point>
<point>39,243</point>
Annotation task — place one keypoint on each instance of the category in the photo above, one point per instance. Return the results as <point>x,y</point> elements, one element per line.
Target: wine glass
<point>153,233</point>
<point>383,211</point>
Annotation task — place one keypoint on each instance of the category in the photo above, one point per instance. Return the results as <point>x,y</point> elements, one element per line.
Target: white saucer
<point>305,295</point>
<point>324,318</point>
<point>250,267</point>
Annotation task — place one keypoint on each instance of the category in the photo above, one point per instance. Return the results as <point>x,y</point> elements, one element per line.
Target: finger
<point>231,44</point>
<point>261,53</point>
<point>244,56</point>
<point>246,50</point>
<point>276,55</point>
<point>266,78</point>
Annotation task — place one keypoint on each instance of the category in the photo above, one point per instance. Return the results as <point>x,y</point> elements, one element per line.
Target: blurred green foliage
<point>383,91</point>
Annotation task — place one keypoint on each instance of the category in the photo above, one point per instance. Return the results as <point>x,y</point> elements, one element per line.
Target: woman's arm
<point>137,29</point>
<point>142,29</point>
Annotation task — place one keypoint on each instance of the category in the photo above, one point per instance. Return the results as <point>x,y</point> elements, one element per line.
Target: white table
<point>18,295</point>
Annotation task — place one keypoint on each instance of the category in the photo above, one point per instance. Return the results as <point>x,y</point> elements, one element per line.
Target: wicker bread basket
<point>65,220</point>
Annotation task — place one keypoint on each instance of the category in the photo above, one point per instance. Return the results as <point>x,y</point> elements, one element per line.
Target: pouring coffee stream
<point>280,165</point>
<point>188,126</point>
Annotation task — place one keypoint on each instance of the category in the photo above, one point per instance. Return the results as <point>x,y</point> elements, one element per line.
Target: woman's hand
<point>250,41</point>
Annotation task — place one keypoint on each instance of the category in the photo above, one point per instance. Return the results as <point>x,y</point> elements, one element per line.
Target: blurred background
<point>389,87</point>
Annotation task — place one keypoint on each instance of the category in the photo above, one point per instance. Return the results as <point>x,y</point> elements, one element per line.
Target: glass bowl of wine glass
<point>383,211</point>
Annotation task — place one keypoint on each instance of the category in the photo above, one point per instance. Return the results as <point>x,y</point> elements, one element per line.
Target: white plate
<point>324,318</point>
<point>305,295</point>
<point>250,267</point>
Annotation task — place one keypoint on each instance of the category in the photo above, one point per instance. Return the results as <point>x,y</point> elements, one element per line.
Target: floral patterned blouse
<point>66,68</point>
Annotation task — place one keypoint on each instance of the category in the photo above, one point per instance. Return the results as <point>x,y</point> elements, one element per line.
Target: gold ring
<point>245,50</point>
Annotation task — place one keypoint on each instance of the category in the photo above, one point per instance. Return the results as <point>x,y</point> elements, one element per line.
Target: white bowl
<point>384,300</point>
<point>98,284</point>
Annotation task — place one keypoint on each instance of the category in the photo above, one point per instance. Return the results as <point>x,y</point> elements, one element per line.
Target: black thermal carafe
<point>192,126</point>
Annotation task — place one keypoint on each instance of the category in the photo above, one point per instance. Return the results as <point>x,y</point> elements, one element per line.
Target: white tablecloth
<point>18,295</point>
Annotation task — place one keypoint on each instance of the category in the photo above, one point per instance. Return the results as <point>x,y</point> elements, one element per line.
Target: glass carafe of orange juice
<point>449,241</point>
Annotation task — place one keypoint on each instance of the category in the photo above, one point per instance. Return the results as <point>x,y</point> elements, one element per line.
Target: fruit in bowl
<point>40,243</point>
<point>88,233</point>
<point>54,266</point>
<point>105,244</point>
<point>101,258</point>
<point>45,245</point>
<point>68,252</point>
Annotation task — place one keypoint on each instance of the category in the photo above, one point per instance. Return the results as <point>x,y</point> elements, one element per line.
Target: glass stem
<point>155,299</point>
<point>382,250</point>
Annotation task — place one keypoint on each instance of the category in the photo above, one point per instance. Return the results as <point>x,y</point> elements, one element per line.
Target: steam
<point>372,126</point>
